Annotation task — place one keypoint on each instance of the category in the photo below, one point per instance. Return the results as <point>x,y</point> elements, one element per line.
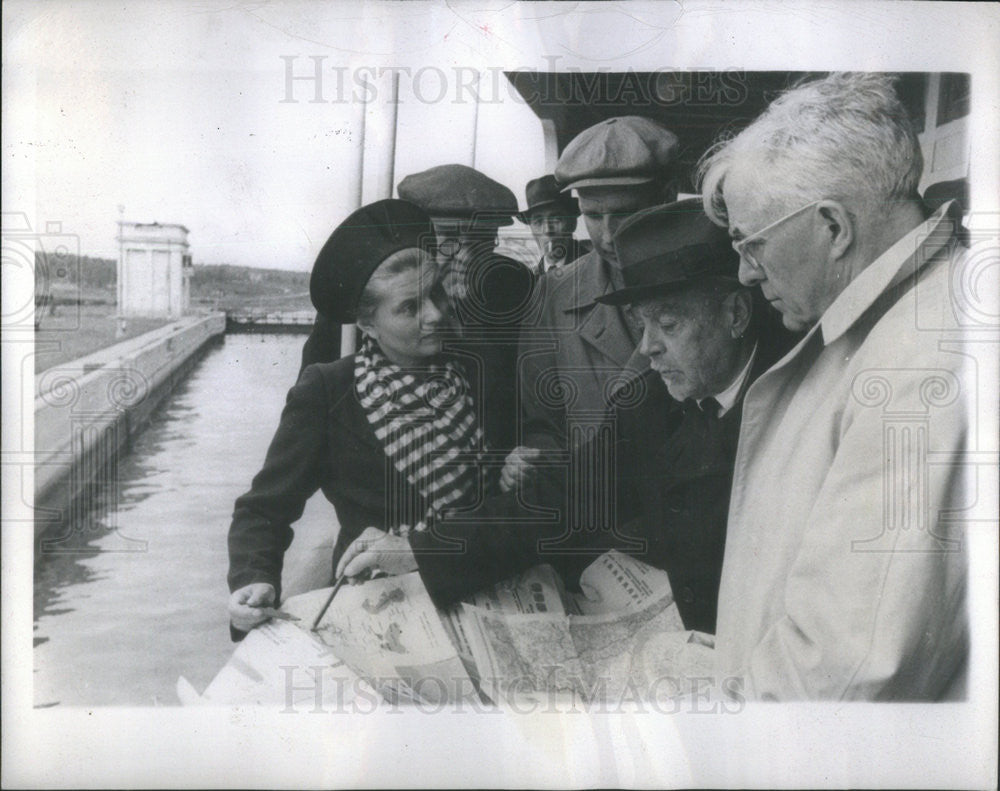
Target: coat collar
<point>592,281</point>
<point>903,259</point>
<point>346,412</point>
<point>600,326</point>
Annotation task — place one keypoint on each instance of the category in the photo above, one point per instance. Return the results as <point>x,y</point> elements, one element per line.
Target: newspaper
<point>278,664</point>
<point>525,636</point>
<point>538,590</point>
<point>623,635</point>
<point>390,633</point>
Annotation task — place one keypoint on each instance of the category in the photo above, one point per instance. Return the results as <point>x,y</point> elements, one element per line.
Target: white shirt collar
<point>727,398</point>
<point>908,254</point>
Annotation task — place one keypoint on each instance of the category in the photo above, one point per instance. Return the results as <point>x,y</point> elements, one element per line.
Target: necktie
<point>705,413</point>
<point>701,435</point>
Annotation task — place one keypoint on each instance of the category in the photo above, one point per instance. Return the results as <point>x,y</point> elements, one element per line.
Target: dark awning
<point>698,106</point>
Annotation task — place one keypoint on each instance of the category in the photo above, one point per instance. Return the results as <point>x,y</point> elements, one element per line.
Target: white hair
<point>845,137</point>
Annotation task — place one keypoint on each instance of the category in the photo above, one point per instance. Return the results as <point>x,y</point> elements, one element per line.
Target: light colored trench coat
<point>845,568</point>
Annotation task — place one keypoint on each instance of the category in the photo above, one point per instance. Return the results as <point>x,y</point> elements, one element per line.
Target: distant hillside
<point>225,287</point>
<point>71,270</point>
<point>209,279</point>
<point>221,285</point>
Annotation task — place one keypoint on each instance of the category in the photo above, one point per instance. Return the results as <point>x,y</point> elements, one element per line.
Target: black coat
<point>323,343</point>
<point>324,441</point>
<point>667,504</point>
<point>500,296</point>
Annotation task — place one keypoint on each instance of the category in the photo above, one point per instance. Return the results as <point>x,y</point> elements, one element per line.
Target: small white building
<point>154,268</point>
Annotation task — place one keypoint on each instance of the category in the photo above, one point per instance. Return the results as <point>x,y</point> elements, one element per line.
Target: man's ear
<point>838,227</point>
<point>740,311</point>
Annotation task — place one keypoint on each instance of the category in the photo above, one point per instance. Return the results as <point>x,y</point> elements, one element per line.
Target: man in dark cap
<point>490,292</point>
<point>551,215</point>
<point>580,350</point>
<point>468,209</point>
<point>666,493</point>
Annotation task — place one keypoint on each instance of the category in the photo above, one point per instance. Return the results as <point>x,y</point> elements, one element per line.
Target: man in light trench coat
<point>845,568</point>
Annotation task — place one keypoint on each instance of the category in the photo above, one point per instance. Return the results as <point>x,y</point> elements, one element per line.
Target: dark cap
<point>357,247</point>
<point>544,192</point>
<point>666,247</point>
<point>460,191</point>
<point>617,152</point>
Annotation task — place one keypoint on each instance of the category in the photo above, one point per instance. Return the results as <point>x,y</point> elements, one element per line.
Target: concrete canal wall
<point>88,410</point>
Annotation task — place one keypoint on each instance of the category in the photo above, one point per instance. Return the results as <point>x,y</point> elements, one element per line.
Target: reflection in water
<point>137,594</point>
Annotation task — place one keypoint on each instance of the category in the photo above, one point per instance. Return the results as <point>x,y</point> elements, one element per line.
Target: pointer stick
<point>336,587</point>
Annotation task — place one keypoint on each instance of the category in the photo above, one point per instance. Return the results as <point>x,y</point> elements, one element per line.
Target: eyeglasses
<point>450,243</point>
<point>740,245</point>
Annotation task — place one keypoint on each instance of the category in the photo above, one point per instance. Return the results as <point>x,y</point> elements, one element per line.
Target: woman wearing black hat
<point>390,433</point>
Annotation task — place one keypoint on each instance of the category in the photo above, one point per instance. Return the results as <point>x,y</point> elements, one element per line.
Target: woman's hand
<point>244,604</point>
<point>517,466</point>
<point>375,548</point>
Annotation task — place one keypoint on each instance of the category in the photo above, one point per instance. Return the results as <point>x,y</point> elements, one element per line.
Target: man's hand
<point>517,466</point>
<point>245,604</point>
<point>375,548</point>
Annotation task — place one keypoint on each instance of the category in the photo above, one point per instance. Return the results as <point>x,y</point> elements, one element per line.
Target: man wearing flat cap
<point>489,292</point>
<point>551,215</point>
<point>674,441</point>
<point>575,354</point>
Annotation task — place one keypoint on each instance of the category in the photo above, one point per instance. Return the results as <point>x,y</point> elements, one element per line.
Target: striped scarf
<point>427,426</point>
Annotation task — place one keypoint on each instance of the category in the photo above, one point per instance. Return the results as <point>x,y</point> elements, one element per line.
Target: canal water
<point>140,597</point>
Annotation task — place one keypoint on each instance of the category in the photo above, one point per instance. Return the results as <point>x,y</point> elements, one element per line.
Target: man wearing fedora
<point>579,350</point>
<point>552,215</point>
<point>674,437</point>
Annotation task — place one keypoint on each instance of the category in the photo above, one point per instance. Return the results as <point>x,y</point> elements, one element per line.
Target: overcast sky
<point>174,109</point>
<point>176,113</point>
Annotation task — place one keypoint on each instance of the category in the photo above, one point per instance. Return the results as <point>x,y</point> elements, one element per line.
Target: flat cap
<point>460,191</point>
<point>356,248</point>
<point>543,192</point>
<point>666,247</point>
<point>617,152</point>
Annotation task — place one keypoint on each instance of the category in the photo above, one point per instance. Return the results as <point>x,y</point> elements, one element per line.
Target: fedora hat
<point>544,192</point>
<point>666,247</point>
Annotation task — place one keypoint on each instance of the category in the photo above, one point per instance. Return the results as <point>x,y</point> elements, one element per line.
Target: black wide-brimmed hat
<point>357,247</point>
<point>461,192</point>
<point>544,192</point>
<point>666,247</point>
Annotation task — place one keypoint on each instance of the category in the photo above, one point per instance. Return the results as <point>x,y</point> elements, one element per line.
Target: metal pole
<point>347,331</point>
<point>390,171</point>
<point>475,121</point>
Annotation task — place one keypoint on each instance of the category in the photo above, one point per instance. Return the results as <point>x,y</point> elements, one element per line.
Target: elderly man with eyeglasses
<point>845,570</point>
